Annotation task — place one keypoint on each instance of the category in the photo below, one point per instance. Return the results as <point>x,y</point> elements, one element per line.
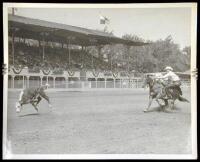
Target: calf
<point>32,96</point>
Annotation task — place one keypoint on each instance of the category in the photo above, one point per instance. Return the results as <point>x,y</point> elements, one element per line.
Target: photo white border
<point>193,6</point>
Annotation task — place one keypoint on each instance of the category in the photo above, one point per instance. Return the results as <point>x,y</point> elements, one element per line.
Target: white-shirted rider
<point>173,80</point>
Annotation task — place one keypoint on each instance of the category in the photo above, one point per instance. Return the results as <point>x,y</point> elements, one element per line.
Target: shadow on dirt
<point>28,114</point>
<point>159,109</point>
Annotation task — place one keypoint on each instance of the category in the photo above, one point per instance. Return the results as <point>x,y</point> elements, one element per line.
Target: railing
<point>61,83</point>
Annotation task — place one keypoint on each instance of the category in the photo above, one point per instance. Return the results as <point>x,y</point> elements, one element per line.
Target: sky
<point>149,23</point>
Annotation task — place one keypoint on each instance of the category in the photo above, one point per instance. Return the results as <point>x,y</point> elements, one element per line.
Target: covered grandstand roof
<point>31,28</point>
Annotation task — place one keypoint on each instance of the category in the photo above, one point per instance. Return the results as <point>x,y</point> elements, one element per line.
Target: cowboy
<point>173,80</point>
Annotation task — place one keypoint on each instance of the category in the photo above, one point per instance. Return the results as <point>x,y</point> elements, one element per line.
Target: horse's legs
<point>46,98</point>
<point>34,105</point>
<point>166,102</point>
<point>150,101</point>
<point>38,100</point>
<point>161,106</point>
<point>172,104</point>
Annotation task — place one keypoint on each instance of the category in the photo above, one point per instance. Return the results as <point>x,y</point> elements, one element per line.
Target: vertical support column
<point>82,57</point>
<point>136,83</point>
<point>69,41</point>
<point>41,80</point>
<point>23,82</point>
<point>43,52</point>
<point>13,81</point>
<point>13,47</point>
<point>66,82</point>
<point>114,82</point>
<point>105,83</point>
<point>111,61</point>
<point>82,84</point>
<point>27,81</point>
<point>128,68</point>
<point>43,45</point>
<point>92,62</point>
<point>96,82</point>
<point>99,51</point>
<point>54,82</point>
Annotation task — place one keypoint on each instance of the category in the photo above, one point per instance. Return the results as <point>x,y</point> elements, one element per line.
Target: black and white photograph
<point>100,81</point>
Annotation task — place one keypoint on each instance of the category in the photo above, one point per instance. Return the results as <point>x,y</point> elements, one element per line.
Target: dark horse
<point>157,92</point>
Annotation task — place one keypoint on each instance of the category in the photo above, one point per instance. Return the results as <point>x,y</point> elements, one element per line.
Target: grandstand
<point>41,51</point>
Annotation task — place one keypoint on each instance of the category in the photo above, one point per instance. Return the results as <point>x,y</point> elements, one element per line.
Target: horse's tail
<point>182,99</point>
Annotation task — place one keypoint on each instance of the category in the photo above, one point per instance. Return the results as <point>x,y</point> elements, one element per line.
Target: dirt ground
<point>99,122</point>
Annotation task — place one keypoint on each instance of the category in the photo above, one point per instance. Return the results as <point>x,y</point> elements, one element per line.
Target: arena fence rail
<point>21,82</point>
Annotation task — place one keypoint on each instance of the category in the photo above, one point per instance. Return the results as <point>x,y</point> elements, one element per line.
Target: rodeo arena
<point>96,106</point>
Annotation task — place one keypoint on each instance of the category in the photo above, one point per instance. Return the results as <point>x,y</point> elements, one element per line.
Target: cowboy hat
<point>48,85</point>
<point>168,68</point>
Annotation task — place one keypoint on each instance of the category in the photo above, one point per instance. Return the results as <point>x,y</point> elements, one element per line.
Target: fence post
<point>82,84</point>
<point>136,83</point>
<point>41,80</point>
<point>67,82</point>
<point>27,81</point>
<point>54,80</point>
<point>23,81</point>
<point>13,81</point>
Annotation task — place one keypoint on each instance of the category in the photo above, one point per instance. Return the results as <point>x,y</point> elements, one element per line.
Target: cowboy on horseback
<point>173,80</point>
<point>156,87</point>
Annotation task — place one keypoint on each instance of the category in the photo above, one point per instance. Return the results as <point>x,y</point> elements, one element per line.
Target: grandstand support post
<point>99,52</point>
<point>128,49</point>
<point>136,83</point>
<point>13,48</point>
<point>92,62</point>
<point>95,82</point>
<point>111,61</point>
<point>54,82</point>
<point>129,82</point>
<point>114,82</point>
<point>43,44</point>
<point>47,79</point>
<point>68,44</point>
<point>82,57</point>
<point>27,81</point>
<point>13,79</point>
<point>41,80</point>
<point>105,83</point>
<point>23,81</point>
<point>67,82</point>
<point>43,52</point>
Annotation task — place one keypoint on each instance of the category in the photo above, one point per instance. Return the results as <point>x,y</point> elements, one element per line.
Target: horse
<point>31,96</point>
<point>157,92</point>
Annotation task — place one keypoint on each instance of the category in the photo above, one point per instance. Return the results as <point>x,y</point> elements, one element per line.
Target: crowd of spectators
<point>56,59</point>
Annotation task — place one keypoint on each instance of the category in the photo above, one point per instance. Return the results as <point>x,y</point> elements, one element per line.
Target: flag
<point>104,20</point>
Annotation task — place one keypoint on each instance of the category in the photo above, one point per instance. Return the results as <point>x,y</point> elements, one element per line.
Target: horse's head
<point>18,107</point>
<point>149,80</point>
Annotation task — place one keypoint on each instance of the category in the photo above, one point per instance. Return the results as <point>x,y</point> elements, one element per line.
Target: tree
<point>187,50</point>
